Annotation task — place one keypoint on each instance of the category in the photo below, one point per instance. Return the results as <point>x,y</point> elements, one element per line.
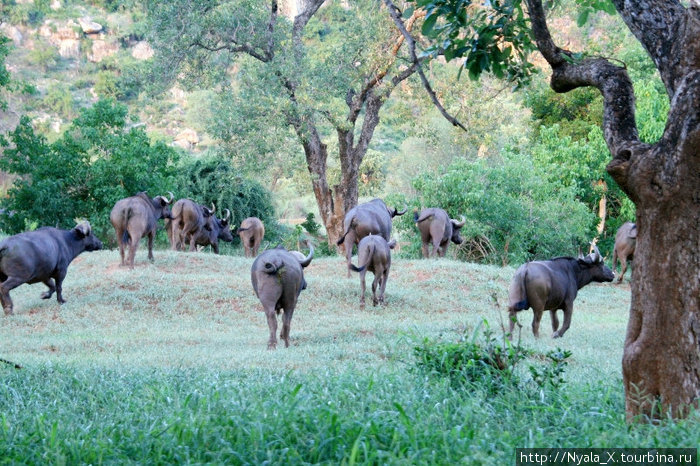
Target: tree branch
<point>658,24</point>
<point>396,16</point>
<point>619,125</point>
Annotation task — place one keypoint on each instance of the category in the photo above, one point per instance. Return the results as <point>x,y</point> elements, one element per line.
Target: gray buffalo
<point>373,217</point>
<point>251,233</point>
<point>278,278</point>
<point>374,254</point>
<point>437,229</point>
<point>551,285</point>
<point>214,230</point>
<point>625,243</point>
<point>43,256</point>
<point>135,217</point>
<point>188,220</point>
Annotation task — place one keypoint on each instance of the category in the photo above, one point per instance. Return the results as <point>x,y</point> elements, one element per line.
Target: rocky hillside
<point>74,54</point>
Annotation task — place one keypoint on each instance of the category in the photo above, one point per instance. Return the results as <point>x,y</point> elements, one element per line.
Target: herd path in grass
<point>198,310</point>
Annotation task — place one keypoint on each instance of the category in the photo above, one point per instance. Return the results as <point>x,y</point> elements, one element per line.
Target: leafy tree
<point>96,162</point>
<point>326,74</point>
<point>661,361</point>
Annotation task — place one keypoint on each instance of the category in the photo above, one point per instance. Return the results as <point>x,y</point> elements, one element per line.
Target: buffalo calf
<point>251,233</point>
<point>43,256</point>
<point>374,254</point>
<point>278,278</point>
<point>551,285</point>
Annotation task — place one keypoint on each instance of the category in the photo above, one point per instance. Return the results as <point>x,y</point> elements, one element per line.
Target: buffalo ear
<point>83,229</point>
<point>392,244</point>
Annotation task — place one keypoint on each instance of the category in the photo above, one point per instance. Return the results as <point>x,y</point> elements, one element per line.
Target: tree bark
<point>661,361</point>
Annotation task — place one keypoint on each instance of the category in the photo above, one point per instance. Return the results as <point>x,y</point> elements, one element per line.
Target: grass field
<point>167,363</point>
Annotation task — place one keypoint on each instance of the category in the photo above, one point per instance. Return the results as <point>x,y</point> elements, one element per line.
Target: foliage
<point>492,38</point>
<point>551,376</point>
<point>106,85</point>
<point>27,13</point>
<point>98,161</point>
<point>514,212</point>
<point>213,179</point>
<point>481,360</point>
<point>59,100</point>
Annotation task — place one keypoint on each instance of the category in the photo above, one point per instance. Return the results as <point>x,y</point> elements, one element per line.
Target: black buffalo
<point>373,217</point>
<point>214,230</point>
<point>551,285</point>
<point>43,256</point>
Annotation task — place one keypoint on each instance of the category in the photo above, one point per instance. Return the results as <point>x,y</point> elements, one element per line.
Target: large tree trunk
<point>661,361</point>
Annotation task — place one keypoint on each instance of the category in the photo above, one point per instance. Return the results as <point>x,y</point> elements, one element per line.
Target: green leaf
<point>582,17</point>
<point>429,24</point>
<point>408,12</point>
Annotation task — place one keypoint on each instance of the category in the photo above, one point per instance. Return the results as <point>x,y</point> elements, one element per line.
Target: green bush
<point>95,163</point>
<point>213,179</point>
<point>513,212</point>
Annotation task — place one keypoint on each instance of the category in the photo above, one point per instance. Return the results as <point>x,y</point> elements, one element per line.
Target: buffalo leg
<point>375,283</point>
<point>424,250</point>
<point>623,263</point>
<point>362,287</point>
<point>59,288</point>
<point>272,325</point>
<point>568,310</point>
<point>536,322</point>
<point>151,236</point>
<point>382,287</point>
<point>50,283</point>
<point>349,243</point>
<point>5,287</point>
<point>286,325</point>
<point>555,320</point>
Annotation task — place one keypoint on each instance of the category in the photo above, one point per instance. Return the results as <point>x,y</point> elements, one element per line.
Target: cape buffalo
<point>372,217</point>
<point>251,233</point>
<point>625,242</point>
<point>42,255</point>
<point>136,217</point>
<point>551,285</point>
<point>278,278</point>
<point>188,221</point>
<point>437,228</point>
<point>374,254</point>
<point>214,230</point>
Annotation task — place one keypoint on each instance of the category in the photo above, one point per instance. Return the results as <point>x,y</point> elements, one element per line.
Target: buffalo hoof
<point>46,295</point>
<point>556,335</point>
<point>8,311</point>
<point>271,346</point>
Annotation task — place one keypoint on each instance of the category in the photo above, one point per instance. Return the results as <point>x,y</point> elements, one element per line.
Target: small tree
<point>95,163</point>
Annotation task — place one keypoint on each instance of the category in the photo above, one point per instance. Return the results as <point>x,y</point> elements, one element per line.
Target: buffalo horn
<point>228,214</point>
<point>84,228</point>
<point>405,209</point>
<point>213,208</point>
<point>461,223</point>
<point>172,196</point>
<point>307,261</point>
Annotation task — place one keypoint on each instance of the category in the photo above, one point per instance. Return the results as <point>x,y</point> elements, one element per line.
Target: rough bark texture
<point>661,361</point>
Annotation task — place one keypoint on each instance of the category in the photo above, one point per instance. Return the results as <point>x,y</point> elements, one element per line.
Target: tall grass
<point>167,364</point>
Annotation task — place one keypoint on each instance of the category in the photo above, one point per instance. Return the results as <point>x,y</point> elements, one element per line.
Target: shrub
<point>513,212</point>
<point>95,163</point>
<point>483,361</point>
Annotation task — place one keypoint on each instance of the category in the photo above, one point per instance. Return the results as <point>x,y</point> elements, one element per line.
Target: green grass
<point>168,364</point>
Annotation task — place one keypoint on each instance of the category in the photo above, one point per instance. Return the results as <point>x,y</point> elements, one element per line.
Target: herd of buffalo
<point>277,276</point>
